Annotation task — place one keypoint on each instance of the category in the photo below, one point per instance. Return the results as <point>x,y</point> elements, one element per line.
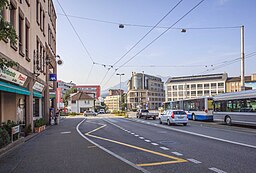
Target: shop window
<point>36,107</point>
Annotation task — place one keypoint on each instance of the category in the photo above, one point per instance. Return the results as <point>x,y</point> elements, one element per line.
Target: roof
<point>197,77</point>
<point>237,79</point>
<point>81,96</point>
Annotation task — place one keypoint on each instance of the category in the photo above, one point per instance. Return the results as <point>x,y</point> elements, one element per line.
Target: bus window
<point>210,104</point>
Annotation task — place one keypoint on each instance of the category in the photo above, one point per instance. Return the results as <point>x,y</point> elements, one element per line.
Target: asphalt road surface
<point>111,144</point>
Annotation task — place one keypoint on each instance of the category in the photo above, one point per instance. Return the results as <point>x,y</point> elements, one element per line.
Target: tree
<point>7,32</point>
<point>66,96</point>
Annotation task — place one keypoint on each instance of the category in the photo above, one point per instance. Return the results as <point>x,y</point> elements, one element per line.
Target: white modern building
<point>186,87</point>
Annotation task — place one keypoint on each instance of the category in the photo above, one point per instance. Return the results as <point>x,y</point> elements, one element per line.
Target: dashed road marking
<point>154,144</point>
<point>164,148</point>
<point>132,133</point>
<point>217,170</point>
<point>136,135</point>
<point>65,132</point>
<point>147,140</point>
<point>194,161</point>
<point>141,137</point>
<point>177,154</point>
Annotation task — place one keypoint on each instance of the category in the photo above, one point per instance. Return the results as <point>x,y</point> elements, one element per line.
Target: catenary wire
<point>156,38</point>
<point>88,53</point>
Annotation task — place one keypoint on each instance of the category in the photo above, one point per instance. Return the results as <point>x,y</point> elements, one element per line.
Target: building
<point>186,87</point>
<point>81,101</point>
<point>112,103</point>
<point>89,89</point>
<point>113,92</point>
<point>145,91</point>
<point>25,88</point>
<point>233,84</point>
<point>62,88</point>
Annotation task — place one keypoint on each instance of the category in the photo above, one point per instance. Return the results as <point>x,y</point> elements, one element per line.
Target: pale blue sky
<point>107,43</point>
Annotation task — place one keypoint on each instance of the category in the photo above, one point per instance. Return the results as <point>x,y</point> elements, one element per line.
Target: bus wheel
<point>228,120</point>
<point>194,117</point>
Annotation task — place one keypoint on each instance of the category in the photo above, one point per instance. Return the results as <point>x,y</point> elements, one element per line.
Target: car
<point>101,111</point>
<point>173,117</point>
<point>144,113</point>
<point>88,113</point>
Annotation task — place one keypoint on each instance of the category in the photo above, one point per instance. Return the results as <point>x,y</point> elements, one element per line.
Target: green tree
<point>7,32</point>
<point>66,96</point>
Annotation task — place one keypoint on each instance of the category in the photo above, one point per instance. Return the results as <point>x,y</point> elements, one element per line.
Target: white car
<point>88,113</point>
<point>174,117</point>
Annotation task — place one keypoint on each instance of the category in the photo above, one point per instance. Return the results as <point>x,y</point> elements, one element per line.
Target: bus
<point>197,108</point>
<point>236,108</point>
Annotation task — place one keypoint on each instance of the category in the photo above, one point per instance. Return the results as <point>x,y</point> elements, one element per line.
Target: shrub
<point>27,130</point>
<point>73,114</point>
<point>8,127</point>
<point>39,122</point>
<point>4,137</point>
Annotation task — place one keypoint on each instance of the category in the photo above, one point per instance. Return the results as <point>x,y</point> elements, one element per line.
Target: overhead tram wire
<point>148,26</point>
<point>143,37</point>
<point>156,38</point>
<point>88,53</point>
<point>163,33</point>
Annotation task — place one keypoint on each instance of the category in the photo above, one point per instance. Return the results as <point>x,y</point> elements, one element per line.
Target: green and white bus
<point>237,107</point>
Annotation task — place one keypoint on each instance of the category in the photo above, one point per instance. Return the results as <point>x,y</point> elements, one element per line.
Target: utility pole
<point>242,58</point>
<point>120,100</point>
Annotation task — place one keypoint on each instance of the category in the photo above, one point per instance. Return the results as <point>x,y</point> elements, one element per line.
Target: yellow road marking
<point>175,159</point>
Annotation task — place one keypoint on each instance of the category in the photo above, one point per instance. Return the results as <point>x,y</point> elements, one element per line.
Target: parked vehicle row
<point>92,113</point>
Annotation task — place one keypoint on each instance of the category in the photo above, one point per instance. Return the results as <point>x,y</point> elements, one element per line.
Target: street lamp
<point>120,74</point>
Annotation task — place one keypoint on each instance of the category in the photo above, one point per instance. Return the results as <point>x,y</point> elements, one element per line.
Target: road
<point>113,144</point>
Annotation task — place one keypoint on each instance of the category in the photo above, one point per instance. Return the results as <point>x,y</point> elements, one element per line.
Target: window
<point>213,85</point>
<point>174,87</point>
<point>193,86</point>
<point>206,86</point>
<point>73,101</point>
<point>220,85</point>
<point>27,40</point>
<point>180,87</point>
<point>206,92</point>
<point>199,93</point>
<point>37,11</point>
<point>199,86</point>
<point>12,14</point>
<point>21,24</point>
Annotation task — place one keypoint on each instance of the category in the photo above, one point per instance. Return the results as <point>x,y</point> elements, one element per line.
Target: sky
<point>89,52</point>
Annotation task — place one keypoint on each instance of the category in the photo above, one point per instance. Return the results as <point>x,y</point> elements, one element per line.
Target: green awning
<point>37,94</point>
<point>13,88</point>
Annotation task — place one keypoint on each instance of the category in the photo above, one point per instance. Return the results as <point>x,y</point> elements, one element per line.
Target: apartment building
<point>112,102</point>
<point>186,87</point>
<point>145,91</point>
<point>81,101</point>
<point>25,88</point>
<point>233,84</point>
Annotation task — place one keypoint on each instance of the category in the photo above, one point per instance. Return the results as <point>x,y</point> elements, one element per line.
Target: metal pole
<point>242,58</point>
<point>120,93</point>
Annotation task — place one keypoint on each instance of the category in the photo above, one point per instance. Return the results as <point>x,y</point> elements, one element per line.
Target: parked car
<point>101,111</point>
<point>144,113</point>
<point>88,113</point>
<point>174,117</point>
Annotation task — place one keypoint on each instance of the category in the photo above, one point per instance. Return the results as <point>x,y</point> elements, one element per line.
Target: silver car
<point>174,117</point>
<point>87,113</point>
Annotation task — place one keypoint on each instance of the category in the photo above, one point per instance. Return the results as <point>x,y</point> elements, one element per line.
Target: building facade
<point>112,103</point>
<point>80,102</point>
<point>113,92</point>
<point>89,89</point>
<point>145,91</point>
<point>25,88</point>
<point>186,87</point>
<point>233,84</point>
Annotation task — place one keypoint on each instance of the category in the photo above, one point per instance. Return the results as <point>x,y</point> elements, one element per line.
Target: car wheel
<point>154,118</point>
<point>184,124</point>
<point>160,121</point>
<point>194,117</point>
<point>228,120</point>
<point>168,122</point>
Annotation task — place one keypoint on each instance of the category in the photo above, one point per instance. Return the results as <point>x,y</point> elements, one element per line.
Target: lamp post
<point>120,102</point>
<point>242,85</point>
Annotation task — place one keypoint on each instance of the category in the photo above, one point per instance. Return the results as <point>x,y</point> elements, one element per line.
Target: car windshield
<point>144,110</point>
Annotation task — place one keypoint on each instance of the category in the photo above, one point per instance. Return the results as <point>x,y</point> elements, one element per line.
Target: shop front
<point>38,100</point>
<point>13,94</point>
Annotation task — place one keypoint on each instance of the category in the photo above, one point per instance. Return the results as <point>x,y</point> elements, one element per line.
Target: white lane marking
<point>65,132</point>
<point>108,151</point>
<point>205,136</point>
<point>194,161</point>
<point>154,144</point>
<point>132,133</point>
<point>141,137</point>
<point>128,131</point>
<point>217,170</point>
<point>164,148</point>
<point>177,154</point>
<point>136,135</point>
<point>147,140</point>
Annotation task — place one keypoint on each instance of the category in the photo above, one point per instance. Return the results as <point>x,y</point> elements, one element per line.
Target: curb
<point>19,142</point>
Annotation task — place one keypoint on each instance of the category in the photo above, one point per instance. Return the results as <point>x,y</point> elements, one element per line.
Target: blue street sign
<point>53,77</point>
